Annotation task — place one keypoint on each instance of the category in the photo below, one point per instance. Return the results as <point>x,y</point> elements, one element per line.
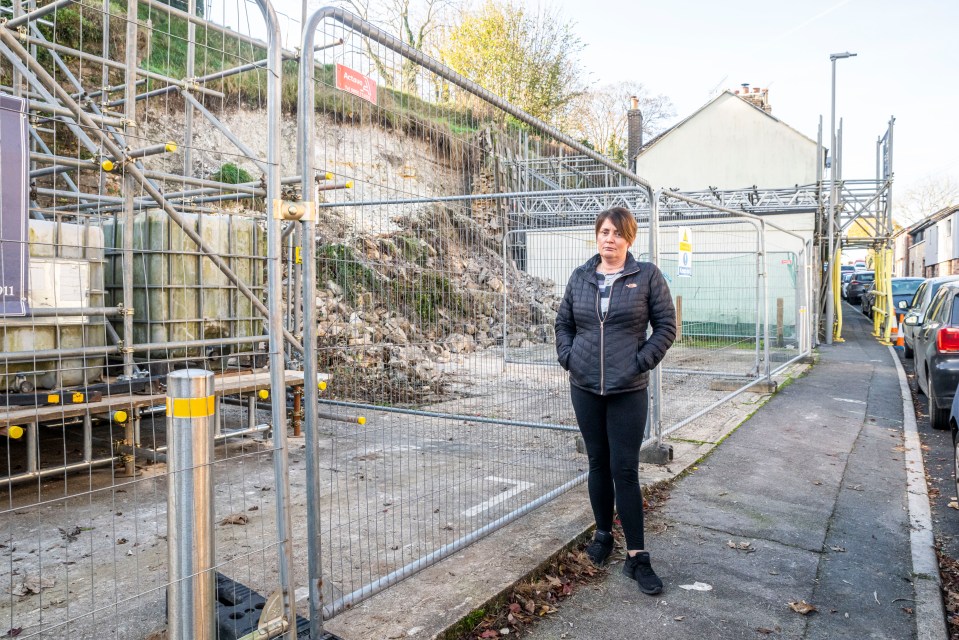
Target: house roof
<point>932,219</point>
<point>706,106</point>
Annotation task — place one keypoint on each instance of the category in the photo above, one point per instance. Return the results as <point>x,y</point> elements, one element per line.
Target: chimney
<point>634,136</point>
<point>758,97</point>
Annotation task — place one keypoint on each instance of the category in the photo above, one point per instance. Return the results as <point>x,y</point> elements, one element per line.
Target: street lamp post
<point>830,217</point>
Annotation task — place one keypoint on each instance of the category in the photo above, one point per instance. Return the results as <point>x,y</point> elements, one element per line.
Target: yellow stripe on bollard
<point>191,407</point>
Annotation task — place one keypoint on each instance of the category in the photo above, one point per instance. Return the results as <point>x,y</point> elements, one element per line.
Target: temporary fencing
<point>147,251</point>
<point>414,257</point>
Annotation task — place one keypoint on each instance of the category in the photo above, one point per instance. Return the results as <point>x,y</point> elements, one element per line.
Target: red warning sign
<point>356,83</point>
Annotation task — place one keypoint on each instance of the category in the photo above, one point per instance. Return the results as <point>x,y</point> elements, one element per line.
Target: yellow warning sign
<point>685,257</point>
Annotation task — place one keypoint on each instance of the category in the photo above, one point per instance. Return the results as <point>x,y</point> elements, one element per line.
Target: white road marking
<point>850,400</point>
<point>518,487</point>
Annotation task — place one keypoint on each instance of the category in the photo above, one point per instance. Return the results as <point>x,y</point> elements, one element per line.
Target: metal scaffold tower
<point>862,219</point>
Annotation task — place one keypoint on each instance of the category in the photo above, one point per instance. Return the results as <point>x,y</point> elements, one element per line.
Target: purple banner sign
<point>14,155</point>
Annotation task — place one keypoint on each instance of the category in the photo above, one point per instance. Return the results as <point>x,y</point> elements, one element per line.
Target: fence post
<point>679,318</point>
<point>191,590</point>
<point>779,323</point>
<point>657,453</point>
<point>764,279</point>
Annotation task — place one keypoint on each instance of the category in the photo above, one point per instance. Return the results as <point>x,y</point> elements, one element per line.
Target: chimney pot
<point>634,102</point>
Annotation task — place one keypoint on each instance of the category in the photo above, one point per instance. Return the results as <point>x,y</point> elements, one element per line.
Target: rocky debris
<point>393,306</point>
<point>32,584</point>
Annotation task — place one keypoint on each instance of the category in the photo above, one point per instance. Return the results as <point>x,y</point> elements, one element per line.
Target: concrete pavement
<point>806,501</point>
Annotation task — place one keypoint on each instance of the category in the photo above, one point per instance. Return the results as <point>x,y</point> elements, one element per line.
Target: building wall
<point>729,144</point>
<point>917,258</point>
<point>900,255</point>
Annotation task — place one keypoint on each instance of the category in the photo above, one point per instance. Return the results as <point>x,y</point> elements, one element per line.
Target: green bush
<point>340,264</point>
<point>427,293</point>
<point>232,174</point>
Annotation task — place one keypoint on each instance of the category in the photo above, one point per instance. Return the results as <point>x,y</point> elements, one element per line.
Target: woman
<point>601,341</point>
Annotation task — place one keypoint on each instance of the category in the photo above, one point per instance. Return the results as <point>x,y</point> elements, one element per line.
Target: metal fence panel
<point>148,253</point>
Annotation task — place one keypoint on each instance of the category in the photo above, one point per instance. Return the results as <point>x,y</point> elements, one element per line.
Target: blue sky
<point>689,49</point>
<point>906,66</point>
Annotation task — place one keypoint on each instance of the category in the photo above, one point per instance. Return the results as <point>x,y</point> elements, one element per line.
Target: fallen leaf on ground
<point>802,607</point>
<point>236,518</point>
<point>696,586</point>
<point>953,505</point>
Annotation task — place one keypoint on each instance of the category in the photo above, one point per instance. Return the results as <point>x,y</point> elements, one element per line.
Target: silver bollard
<point>191,591</point>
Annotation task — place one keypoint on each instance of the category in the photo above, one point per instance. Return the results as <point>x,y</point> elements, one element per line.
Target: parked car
<point>857,285</point>
<point>866,300</point>
<point>937,353</point>
<point>903,289</point>
<point>917,307</point>
<point>844,279</point>
<point>954,427</point>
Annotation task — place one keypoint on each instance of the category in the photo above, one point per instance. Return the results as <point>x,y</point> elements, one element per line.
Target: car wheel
<point>938,418</point>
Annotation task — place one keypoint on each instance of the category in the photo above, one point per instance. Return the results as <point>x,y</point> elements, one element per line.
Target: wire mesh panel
<point>146,232</point>
<point>411,293</point>
<point>155,207</point>
<point>445,236</point>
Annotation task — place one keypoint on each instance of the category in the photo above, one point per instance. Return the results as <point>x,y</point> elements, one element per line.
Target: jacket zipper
<point>602,335</point>
<point>602,345</point>
<point>602,331</point>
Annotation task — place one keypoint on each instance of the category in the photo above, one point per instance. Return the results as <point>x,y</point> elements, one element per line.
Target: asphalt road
<point>937,453</point>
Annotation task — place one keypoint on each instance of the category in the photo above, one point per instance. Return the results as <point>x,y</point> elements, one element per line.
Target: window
<point>935,307</point>
<point>905,287</point>
<point>920,292</point>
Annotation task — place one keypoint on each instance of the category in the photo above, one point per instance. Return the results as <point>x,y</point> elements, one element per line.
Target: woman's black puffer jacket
<point>613,355</point>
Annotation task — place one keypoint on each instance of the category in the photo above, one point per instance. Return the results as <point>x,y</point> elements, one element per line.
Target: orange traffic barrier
<point>896,337</point>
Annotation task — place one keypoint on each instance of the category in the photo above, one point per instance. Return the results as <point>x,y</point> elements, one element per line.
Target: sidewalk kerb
<point>930,613</point>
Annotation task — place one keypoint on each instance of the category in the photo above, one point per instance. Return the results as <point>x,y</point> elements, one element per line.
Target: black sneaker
<point>639,569</point>
<point>599,549</point>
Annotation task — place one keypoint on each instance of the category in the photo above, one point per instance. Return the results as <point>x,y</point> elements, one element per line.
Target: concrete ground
<point>816,484</point>
<point>813,478</point>
<point>805,502</point>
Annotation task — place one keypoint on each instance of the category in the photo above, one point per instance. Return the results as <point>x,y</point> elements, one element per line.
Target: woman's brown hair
<point>622,219</point>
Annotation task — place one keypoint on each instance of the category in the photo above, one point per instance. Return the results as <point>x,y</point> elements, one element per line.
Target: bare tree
<point>600,116</point>
<point>415,22</point>
<point>926,198</point>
